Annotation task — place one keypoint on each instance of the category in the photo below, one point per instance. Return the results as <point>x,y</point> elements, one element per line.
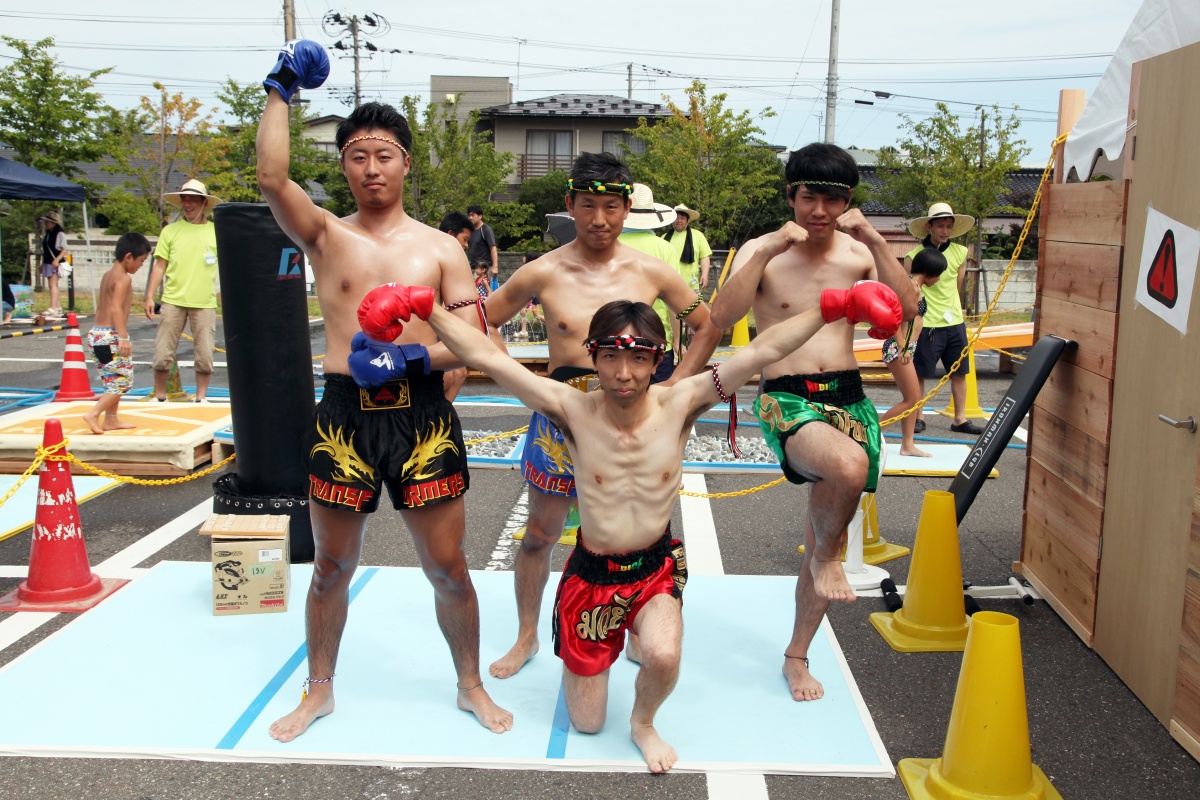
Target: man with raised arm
<point>812,411</point>
<point>626,442</point>
<point>571,283</point>
<point>390,424</point>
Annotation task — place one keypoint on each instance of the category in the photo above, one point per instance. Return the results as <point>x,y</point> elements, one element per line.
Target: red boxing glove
<point>865,301</point>
<point>383,311</point>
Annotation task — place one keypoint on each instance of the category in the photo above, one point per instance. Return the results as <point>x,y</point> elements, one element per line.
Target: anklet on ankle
<point>798,658</point>
<point>470,688</point>
<point>307,681</point>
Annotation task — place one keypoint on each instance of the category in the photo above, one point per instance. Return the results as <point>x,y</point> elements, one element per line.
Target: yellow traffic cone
<point>933,617</point>
<point>741,333</point>
<point>987,753</point>
<point>974,411</point>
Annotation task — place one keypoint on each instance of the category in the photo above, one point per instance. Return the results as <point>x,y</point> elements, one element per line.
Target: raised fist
<point>383,311</point>
<point>375,363</point>
<point>865,301</point>
<point>302,64</point>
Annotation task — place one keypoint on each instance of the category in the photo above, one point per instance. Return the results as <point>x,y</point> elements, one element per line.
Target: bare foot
<point>633,650</point>
<point>829,580</point>
<point>914,451</point>
<point>801,683</point>
<point>659,755</point>
<point>93,422</point>
<point>114,424</point>
<point>510,664</point>
<point>313,707</point>
<point>490,715</point>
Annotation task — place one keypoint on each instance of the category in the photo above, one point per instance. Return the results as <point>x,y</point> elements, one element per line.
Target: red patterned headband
<point>624,342</point>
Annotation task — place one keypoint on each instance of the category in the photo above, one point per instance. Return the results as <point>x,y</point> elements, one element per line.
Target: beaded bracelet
<point>307,681</point>
<point>689,309</point>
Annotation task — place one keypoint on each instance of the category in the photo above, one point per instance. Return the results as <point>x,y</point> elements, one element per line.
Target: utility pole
<point>831,81</point>
<point>629,81</point>
<point>979,222</point>
<point>289,20</point>
<point>369,24</point>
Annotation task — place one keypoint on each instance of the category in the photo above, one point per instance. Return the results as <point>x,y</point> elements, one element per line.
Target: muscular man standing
<point>400,431</point>
<point>627,442</point>
<point>813,411</point>
<point>571,283</point>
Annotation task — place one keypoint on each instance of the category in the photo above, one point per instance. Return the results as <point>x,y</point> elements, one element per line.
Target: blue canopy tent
<point>19,182</point>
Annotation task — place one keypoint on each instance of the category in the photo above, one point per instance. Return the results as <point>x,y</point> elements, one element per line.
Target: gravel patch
<point>699,448</point>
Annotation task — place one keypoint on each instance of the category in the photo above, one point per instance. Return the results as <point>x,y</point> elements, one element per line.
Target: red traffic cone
<point>74,385</point>
<point>60,577</point>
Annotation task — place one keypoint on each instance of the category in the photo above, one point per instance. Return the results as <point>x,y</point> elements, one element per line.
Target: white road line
<point>700,532</point>
<point>506,546</point>
<point>22,572</point>
<point>22,623</point>
<point>1022,434</point>
<point>736,786</point>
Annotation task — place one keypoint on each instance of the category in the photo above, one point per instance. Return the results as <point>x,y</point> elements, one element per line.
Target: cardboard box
<point>252,571</point>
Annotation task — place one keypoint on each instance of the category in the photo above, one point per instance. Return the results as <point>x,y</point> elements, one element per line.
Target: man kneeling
<point>627,442</point>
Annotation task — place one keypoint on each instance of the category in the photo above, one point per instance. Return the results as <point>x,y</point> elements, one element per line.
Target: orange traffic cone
<point>74,384</point>
<point>60,577</point>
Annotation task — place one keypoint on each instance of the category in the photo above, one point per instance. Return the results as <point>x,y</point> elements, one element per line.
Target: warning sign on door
<point>1168,269</point>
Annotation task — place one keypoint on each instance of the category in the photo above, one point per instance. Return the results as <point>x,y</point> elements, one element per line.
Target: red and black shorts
<point>600,596</point>
<point>403,435</point>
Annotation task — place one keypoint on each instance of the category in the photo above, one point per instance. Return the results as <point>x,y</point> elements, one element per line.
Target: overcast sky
<point>762,54</point>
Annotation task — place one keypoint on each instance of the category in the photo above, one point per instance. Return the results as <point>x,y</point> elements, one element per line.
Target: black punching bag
<point>271,396</point>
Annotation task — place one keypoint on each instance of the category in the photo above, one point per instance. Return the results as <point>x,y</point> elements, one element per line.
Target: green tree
<point>705,155</point>
<point>453,165</point>
<point>940,160</point>
<point>544,195</point>
<point>48,117</point>
<point>127,212</point>
<point>170,132</point>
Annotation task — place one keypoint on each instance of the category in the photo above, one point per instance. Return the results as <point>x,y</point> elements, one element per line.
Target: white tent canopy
<point>1159,26</point>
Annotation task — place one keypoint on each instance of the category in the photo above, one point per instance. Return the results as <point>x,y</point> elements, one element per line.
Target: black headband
<point>599,187</point>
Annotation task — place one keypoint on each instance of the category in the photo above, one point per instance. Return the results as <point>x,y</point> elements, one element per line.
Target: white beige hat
<point>52,216</point>
<point>193,188</point>
<point>919,227</point>
<point>691,214</point>
<point>644,213</point>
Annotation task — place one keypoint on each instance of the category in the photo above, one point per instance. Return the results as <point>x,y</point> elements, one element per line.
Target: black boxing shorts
<point>404,435</point>
<point>600,596</point>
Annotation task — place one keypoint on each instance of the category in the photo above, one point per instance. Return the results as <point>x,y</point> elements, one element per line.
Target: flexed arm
<point>737,295</point>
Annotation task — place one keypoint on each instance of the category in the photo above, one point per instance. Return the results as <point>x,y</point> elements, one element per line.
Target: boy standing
<point>109,331</point>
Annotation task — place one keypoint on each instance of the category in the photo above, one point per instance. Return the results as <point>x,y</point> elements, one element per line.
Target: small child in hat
<point>109,336</point>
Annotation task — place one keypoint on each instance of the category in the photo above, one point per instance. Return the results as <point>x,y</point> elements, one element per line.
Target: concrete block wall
<point>1019,292</point>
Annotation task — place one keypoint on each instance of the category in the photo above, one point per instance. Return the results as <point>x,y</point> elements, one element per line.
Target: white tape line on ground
<point>1022,434</point>
<point>699,530</point>
<point>21,624</point>
<point>506,546</point>
<point>22,572</point>
<point>148,545</point>
<point>736,786</point>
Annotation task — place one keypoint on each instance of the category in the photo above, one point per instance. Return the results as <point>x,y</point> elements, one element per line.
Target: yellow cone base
<point>908,637</point>
<point>567,538</point>
<point>882,550</point>
<point>923,778</point>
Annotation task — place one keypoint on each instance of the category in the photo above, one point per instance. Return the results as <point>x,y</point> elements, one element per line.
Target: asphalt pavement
<point>1089,733</point>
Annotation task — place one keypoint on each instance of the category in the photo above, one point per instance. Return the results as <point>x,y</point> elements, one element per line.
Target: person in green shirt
<point>945,333</point>
<point>186,255</point>
<point>691,248</point>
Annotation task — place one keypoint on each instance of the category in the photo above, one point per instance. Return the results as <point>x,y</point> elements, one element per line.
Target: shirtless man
<point>403,434</point>
<point>819,383</point>
<point>627,442</point>
<point>571,283</point>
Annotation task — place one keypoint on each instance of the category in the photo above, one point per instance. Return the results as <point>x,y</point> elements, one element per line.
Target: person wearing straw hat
<point>945,333</point>
<point>572,282</point>
<point>646,216</point>
<point>691,248</point>
<point>54,253</point>
<point>186,255</point>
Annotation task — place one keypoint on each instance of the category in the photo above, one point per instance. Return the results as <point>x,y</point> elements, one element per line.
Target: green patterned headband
<point>599,187</point>
<point>821,183</point>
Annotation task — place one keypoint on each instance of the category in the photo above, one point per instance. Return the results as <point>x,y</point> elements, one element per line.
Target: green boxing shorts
<point>836,398</point>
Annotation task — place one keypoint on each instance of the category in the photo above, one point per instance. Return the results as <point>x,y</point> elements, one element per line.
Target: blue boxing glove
<point>375,363</point>
<point>302,64</point>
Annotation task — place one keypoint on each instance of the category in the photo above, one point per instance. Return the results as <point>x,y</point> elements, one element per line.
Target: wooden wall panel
<point>1094,331</point>
<point>1084,212</point>
<point>1081,398</point>
<point>1069,453</point>
<point>1070,517</point>
<point>1087,274</point>
<point>1069,584</point>
<point>1187,692</point>
<point>1189,635</point>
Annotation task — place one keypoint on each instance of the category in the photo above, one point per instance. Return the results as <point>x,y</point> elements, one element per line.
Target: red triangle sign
<point>1163,281</point>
